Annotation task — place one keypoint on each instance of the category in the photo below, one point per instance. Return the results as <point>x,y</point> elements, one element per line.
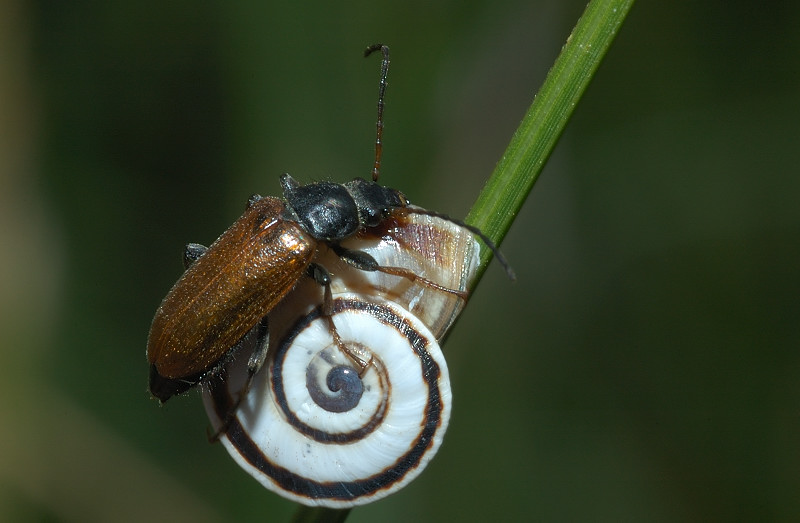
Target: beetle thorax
<point>332,211</point>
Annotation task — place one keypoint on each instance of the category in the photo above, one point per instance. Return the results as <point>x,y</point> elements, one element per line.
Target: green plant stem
<point>320,515</point>
<point>519,167</point>
<point>534,140</point>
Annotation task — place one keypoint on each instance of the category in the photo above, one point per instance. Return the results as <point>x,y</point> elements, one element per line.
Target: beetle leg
<point>355,358</point>
<point>254,364</point>
<point>365,262</point>
<point>191,253</point>
<point>323,277</point>
<point>416,278</point>
<point>258,357</point>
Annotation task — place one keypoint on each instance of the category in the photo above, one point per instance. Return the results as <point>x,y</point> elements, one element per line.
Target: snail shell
<point>312,429</point>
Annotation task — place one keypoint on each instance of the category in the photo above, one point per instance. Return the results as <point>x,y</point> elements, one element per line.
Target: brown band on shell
<point>381,480</point>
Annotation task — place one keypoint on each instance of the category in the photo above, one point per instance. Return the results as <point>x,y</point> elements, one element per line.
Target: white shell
<point>294,446</point>
<point>315,455</point>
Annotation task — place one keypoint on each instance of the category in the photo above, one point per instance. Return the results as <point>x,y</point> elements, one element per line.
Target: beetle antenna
<point>474,230</point>
<point>376,169</point>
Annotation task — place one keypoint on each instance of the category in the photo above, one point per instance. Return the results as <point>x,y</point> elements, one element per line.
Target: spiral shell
<point>312,429</point>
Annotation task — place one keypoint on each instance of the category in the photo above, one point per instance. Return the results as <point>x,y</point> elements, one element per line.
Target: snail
<point>311,428</point>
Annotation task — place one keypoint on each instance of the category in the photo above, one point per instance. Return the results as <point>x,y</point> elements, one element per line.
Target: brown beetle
<point>229,288</point>
<point>223,294</point>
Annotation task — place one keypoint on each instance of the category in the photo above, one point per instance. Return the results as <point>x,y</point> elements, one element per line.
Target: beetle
<point>229,288</point>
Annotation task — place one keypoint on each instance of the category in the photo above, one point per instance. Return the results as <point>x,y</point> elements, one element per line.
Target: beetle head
<point>374,201</point>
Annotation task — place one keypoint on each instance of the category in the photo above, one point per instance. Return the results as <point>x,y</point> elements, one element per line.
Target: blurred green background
<point>644,366</point>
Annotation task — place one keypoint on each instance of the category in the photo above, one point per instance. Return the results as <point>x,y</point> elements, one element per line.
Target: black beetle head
<point>374,201</point>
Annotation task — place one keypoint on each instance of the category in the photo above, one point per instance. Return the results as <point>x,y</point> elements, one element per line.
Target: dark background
<point>644,366</point>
